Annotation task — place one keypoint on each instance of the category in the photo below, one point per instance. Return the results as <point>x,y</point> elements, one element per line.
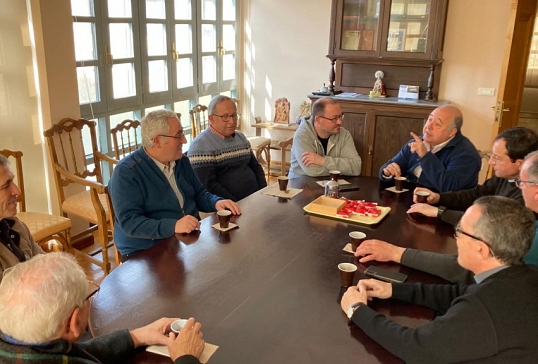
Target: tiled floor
<point>95,273</point>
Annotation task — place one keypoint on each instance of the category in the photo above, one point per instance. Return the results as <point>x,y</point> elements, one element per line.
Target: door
<point>517,48</point>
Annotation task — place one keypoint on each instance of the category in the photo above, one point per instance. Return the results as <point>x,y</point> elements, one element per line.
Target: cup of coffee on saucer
<point>399,183</point>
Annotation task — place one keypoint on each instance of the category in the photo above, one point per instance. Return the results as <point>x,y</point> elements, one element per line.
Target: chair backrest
<point>17,155</point>
<point>68,151</point>
<point>282,111</point>
<point>199,120</point>
<point>126,138</point>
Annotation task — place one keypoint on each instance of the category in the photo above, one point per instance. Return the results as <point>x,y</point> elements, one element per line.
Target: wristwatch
<point>352,308</point>
<point>440,211</point>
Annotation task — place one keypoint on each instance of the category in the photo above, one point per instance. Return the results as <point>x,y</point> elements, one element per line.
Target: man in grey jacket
<point>321,144</point>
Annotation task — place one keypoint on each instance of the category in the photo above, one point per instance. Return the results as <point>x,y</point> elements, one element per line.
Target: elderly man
<point>18,244</point>
<point>493,320</point>
<point>321,144</point>
<point>154,190</point>
<point>508,152</point>
<point>442,159</point>
<point>44,309</point>
<point>221,156</point>
<point>446,265</point>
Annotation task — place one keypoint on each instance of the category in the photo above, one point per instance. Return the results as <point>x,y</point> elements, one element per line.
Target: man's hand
<point>353,295</point>
<point>380,251</point>
<point>228,204</point>
<point>424,209</point>
<point>188,342</point>
<point>186,224</point>
<point>152,334</point>
<point>310,158</point>
<point>417,146</point>
<point>375,288</point>
<point>432,198</point>
<point>392,170</point>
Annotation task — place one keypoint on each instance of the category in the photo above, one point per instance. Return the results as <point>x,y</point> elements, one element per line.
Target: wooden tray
<point>368,220</point>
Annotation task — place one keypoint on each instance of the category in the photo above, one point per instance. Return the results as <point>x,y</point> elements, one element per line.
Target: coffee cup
<point>177,325</point>
<point>334,174</point>
<point>422,196</point>
<point>224,218</point>
<point>324,89</point>
<point>347,272</point>
<point>399,183</point>
<point>356,238</point>
<point>282,183</point>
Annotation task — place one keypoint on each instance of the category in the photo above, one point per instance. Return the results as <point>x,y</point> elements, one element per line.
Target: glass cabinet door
<point>360,25</point>
<point>408,26</point>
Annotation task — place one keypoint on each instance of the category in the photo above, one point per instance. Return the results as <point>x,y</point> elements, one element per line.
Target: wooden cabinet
<point>402,38</point>
<point>381,128</point>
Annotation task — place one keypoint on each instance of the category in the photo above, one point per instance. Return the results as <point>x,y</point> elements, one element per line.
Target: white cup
<point>177,325</point>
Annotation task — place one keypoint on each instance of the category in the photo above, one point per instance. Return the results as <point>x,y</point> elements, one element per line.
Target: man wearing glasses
<point>44,309</point>
<point>154,190</point>
<point>493,320</point>
<point>508,152</point>
<point>321,144</point>
<point>441,159</point>
<point>446,265</point>
<point>222,157</point>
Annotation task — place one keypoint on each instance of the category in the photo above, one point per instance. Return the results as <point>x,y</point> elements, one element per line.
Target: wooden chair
<point>68,157</point>
<point>199,120</point>
<point>261,147</point>
<point>45,228</point>
<point>126,138</point>
<point>284,146</point>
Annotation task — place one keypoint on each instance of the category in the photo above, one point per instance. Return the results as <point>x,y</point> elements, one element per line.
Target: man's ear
<point>74,326</point>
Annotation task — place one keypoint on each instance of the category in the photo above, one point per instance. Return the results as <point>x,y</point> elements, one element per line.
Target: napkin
<point>341,182</point>
<point>273,190</point>
<point>393,189</point>
<point>231,226</point>
<point>209,350</point>
<point>348,248</point>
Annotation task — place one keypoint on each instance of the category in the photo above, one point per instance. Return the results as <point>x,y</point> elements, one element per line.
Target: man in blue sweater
<point>154,190</point>
<point>221,156</point>
<point>442,159</point>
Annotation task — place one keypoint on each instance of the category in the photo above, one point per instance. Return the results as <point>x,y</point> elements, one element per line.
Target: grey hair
<point>4,161</point>
<point>318,108</point>
<point>532,161</point>
<point>507,226</point>
<point>38,296</point>
<point>215,101</point>
<point>155,123</point>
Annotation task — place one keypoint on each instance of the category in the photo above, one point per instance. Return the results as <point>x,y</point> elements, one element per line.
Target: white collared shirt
<point>168,172</point>
<point>418,169</point>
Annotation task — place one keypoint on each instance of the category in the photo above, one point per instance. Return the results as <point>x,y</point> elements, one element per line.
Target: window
<point>532,68</point>
<point>135,56</point>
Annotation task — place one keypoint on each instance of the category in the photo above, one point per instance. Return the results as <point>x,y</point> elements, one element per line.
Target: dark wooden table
<point>268,291</point>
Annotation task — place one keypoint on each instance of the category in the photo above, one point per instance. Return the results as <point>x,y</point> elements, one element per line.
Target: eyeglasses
<point>333,120</point>
<point>458,231</point>
<point>94,291</point>
<point>178,136</point>
<point>520,183</point>
<point>227,117</point>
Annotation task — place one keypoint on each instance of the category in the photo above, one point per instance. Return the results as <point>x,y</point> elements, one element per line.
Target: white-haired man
<point>154,190</point>
<point>17,244</point>
<point>44,309</point>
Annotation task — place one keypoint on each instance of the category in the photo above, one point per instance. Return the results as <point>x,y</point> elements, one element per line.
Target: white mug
<point>324,89</point>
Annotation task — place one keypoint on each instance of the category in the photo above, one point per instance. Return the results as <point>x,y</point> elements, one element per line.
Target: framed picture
<point>417,9</point>
<point>413,28</point>
<point>411,44</point>
<point>396,40</point>
<point>397,8</point>
<point>351,40</point>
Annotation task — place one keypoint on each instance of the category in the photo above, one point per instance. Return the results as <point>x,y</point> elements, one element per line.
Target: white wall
<point>290,41</point>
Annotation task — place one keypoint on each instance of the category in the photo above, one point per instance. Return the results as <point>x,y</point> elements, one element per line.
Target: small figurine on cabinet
<point>379,88</point>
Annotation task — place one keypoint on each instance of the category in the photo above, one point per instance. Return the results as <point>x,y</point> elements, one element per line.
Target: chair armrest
<point>107,158</point>
<point>100,188</point>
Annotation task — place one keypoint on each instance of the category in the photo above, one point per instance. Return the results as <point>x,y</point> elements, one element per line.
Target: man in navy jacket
<point>442,159</point>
